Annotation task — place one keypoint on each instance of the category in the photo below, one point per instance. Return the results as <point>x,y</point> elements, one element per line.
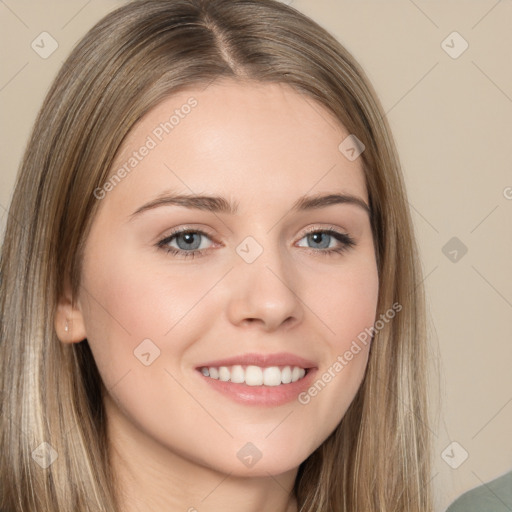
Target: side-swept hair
<point>377,459</point>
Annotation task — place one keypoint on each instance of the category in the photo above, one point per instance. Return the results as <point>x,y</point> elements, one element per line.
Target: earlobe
<point>69,323</point>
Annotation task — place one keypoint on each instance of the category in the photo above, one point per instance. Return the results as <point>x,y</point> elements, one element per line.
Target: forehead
<point>258,141</point>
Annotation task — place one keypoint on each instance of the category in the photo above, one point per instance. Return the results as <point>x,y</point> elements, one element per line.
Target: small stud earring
<point>66,327</point>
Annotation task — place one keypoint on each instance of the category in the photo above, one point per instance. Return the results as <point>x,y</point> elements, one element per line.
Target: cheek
<point>347,311</point>
<point>127,302</point>
<point>347,301</point>
<point>175,306</point>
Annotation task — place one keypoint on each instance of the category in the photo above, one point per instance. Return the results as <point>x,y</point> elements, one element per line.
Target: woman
<point>257,369</point>
<point>493,496</point>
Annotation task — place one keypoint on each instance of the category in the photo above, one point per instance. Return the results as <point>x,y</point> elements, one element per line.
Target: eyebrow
<point>219,204</point>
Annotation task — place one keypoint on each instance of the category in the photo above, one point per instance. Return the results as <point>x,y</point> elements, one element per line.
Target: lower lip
<point>261,395</point>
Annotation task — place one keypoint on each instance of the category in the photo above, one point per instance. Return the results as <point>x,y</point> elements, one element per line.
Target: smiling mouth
<point>255,375</point>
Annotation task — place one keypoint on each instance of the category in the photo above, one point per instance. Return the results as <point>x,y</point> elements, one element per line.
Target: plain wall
<point>452,121</point>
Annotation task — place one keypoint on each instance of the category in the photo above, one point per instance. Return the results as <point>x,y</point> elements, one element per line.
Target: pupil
<point>317,239</point>
<point>188,241</point>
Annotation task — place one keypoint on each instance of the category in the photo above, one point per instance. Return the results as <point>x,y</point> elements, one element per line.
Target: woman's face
<point>275,283</point>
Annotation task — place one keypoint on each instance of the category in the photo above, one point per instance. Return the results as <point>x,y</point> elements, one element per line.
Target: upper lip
<point>263,360</point>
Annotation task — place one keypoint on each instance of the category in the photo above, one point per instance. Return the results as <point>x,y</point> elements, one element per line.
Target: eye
<point>329,241</point>
<point>189,243</point>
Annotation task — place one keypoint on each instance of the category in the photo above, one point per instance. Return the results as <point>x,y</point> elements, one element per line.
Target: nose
<point>264,293</point>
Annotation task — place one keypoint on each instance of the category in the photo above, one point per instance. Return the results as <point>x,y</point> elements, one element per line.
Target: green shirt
<point>495,496</point>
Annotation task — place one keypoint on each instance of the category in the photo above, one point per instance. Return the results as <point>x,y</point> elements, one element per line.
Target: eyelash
<point>346,241</point>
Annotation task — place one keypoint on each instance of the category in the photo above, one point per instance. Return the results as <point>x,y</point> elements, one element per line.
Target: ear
<point>69,322</point>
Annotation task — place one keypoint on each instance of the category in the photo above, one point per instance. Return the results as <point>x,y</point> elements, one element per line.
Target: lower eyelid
<point>344,239</point>
<point>165,242</point>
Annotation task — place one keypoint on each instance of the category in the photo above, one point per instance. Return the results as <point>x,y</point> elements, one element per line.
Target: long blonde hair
<point>378,458</point>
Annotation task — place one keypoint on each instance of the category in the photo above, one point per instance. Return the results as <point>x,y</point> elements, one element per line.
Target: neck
<point>152,477</point>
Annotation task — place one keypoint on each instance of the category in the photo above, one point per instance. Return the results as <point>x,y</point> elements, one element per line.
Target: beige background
<point>452,120</point>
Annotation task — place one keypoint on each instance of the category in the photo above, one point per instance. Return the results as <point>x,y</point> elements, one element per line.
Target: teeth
<point>255,375</point>
<point>237,374</point>
<point>286,375</point>
<point>272,376</point>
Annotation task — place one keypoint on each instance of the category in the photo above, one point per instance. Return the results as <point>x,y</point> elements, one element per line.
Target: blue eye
<point>324,237</point>
<point>189,242</point>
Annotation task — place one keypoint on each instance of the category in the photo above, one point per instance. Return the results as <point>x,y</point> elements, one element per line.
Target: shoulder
<point>494,496</point>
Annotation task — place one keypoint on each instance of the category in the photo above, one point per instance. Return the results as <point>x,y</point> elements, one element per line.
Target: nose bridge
<point>263,283</point>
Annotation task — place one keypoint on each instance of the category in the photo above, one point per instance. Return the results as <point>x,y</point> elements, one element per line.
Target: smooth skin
<point>174,439</point>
